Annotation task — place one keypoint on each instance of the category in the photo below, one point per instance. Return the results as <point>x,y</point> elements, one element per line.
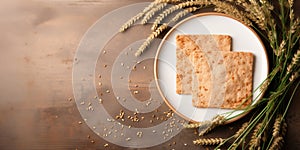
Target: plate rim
<point>168,34</point>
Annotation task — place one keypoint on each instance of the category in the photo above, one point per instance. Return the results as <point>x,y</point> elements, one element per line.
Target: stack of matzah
<point>215,76</point>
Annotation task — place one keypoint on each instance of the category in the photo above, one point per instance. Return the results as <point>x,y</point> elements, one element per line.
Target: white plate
<point>243,39</point>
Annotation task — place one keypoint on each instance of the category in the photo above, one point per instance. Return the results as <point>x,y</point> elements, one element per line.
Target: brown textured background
<point>38,42</point>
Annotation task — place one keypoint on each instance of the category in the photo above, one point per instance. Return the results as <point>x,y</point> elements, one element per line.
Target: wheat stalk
<point>277,143</point>
<point>231,10</point>
<point>130,22</point>
<point>167,1</point>
<point>240,131</point>
<point>281,48</point>
<point>295,61</point>
<point>294,76</point>
<point>218,120</point>
<point>150,39</point>
<point>256,137</point>
<point>283,128</point>
<point>192,125</point>
<point>277,126</point>
<point>134,19</point>
<point>265,85</point>
<point>184,13</point>
<point>295,26</point>
<point>209,141</point>
<point>152,12</point>
<point>174,8</point>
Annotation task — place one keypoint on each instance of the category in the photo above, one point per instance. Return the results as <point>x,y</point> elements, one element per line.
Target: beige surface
<point>186,44</point>
<point>235,67</point>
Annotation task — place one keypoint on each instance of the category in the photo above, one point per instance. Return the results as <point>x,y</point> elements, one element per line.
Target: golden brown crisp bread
<point>187,44</point>
<point>222,79</point>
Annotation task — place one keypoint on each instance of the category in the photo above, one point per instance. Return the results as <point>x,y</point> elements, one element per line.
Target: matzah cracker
<point>187,44</point>
<point>222,79</point>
